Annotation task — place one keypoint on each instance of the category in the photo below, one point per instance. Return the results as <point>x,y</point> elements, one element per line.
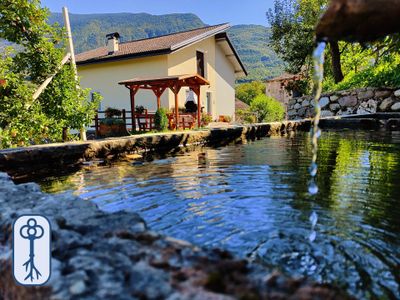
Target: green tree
<point>293,28</point>
<point>41,48</point>
<point>267,109</point>
<point>246,92</point>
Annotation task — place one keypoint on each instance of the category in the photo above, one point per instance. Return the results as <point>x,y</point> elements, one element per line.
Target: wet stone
<point>348,101</point>
<point>395,107</point>
<point>386,104</point>
<point>323,102</point>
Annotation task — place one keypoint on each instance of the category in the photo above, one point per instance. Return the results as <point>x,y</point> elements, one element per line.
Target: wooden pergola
<point>159,84</point>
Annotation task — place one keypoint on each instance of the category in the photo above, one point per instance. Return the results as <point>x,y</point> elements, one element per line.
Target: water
<point>318,77</point>
<point>253,200</point>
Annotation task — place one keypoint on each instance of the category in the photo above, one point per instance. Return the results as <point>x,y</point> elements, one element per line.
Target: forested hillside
<point>251,41</point>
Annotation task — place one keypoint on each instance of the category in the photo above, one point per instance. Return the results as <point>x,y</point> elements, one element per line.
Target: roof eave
<point>123,57</point>
<point>202,36</point>
<point>224,36</point>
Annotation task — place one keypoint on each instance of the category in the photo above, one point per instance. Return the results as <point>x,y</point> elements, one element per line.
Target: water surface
<point>252,200</point>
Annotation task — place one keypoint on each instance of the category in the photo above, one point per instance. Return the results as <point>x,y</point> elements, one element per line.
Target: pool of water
<point>252,199</point>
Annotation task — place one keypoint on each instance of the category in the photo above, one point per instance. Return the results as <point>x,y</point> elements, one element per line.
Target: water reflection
<point>252,199</point>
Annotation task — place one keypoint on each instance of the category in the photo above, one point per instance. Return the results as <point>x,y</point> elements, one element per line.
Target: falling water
<point>318,75</point>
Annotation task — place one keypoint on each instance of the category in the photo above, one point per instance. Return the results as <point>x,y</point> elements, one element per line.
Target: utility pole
<point>73,62</point>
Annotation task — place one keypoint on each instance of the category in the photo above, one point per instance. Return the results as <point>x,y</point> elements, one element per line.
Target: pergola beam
<point>159,85</point>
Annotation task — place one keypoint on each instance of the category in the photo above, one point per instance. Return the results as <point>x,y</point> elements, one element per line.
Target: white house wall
<point>104,78</point>
<point>225,85</point>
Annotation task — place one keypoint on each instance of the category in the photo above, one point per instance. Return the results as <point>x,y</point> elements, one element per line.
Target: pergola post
<point>133,90</point>
<point>175,89</point>
<point>196,90</point>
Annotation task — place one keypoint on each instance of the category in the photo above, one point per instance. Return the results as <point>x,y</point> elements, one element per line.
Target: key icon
<point>31,231</point>
<point>31,250</point>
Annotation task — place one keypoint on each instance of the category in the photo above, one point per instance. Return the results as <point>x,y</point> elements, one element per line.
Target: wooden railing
<point>145,121</point>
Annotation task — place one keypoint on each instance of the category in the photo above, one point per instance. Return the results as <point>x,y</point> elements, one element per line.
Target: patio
<point>144,121</point>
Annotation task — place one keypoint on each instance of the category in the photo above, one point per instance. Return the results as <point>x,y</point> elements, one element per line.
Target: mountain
<point>251,41</point>
<point>89,30</point>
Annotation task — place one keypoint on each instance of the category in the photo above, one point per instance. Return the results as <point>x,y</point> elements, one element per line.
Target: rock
<point>323,102</point>
<point>305,103</point>
<point>297,106</point>
<point>302,112</point>
<point>365,95</point>
<point>327,113</point>
<point>397,93</point>
<point>334,98</point>
<point>77,288</point>
<point>386,104</point>
<point>367,107</point>
<point>348,101</point>
<point>292,113</point>
<point>395,107</point>
<point>383,94</point>
<point>345,112</point>
<point>334,107</point>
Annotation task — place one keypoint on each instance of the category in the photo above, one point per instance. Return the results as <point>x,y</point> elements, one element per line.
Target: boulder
<point>386,104</point>
<point>323,102</point>
<point>383,94</point>
<point>368,107</point>
<point>348,101</point>
<point>327,113</point>
<point>334,107</point>
<point>334,98</point>
<point>397,93</point>
<point>395,107</point>
<point>365,95</point>
<point>297,106</point>
<point>305,103</point>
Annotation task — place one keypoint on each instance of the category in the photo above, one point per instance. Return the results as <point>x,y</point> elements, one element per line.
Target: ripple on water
<point>252,199</point>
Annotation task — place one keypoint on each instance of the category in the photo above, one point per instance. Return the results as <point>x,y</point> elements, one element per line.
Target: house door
<point>209,103</point>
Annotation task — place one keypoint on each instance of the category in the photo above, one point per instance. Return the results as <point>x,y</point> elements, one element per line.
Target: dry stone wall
<point>360,101</point>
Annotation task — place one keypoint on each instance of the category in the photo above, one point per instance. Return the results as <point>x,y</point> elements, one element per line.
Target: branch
<point>48,80</point>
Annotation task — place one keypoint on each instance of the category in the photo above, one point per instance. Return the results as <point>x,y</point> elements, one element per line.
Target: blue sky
<point>210,11</point>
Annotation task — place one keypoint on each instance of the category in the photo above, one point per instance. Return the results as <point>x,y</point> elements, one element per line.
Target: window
<point>200,63</point>
<point>209,103</point>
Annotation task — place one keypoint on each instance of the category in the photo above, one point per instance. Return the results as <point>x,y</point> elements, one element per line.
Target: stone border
<point>56,158</point>
<point>96,255</point>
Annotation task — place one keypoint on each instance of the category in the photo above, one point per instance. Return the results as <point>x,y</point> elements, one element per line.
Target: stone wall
<point>360,101</point>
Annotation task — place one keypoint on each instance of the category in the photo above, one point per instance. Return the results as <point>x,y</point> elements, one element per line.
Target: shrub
<point>385,74</point>
<point>112,112</point>
<point>139,109</point>
<point>267,109</point>
<point>161,119</point>
<point>206,119</point>
<point>245,116</point>
<point>248,91</point>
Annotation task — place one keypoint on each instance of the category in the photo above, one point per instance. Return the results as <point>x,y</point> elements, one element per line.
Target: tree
<point>267,109</point>
<point>41,48</point>
<point>246,92</point>
<point>293,28</point>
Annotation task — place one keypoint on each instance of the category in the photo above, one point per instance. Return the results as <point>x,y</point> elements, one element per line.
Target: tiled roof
<point>240,105</point>
<point>151,46</point>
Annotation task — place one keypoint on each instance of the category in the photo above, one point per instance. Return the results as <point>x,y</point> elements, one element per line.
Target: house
<point>206,51</point>
<point>277,87</point>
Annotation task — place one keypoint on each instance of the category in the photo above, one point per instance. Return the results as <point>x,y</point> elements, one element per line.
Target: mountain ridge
<point>251,41</point>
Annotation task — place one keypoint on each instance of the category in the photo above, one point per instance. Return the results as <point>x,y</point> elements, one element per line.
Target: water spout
<point>359,20</point>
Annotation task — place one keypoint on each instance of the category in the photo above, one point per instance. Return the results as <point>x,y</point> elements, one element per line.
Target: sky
<point>210,11</point>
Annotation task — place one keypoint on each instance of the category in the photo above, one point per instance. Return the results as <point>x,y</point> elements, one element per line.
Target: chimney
<point>112,42</point>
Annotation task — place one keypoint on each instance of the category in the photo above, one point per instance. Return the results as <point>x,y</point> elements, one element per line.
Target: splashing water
<point>318,76</point>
